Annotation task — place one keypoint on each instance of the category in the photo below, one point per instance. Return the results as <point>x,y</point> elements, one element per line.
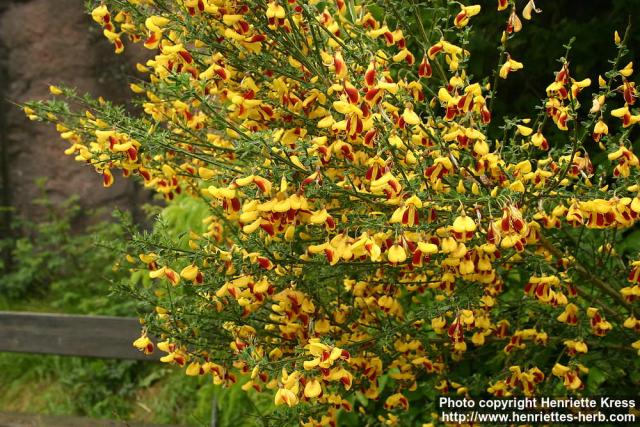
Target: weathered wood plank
<point>71,335</point>
<point>37,420</point>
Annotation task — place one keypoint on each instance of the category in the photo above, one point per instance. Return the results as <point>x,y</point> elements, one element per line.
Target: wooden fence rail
<point>71,335</point>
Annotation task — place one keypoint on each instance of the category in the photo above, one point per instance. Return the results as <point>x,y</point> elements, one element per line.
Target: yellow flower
<point>190,272</point>
<point>396,400</point>
<point>616,37</point>
<point>144,344</point>
<point>396,254</point>
<point>509,66</point>
<point>410,117</point>
<point>464,224</point>
<point>627,70</point>
<point>466,12</point>
<point>569,315</point>
<point>524,130</point>
<point>285,396</point>
<point>531,6</point>
<point>312,389</point>
<point>55,90</point>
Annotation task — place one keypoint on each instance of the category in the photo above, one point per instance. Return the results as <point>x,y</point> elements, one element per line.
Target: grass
<point>117,390</point>
<point>114,389</point>
<point>98,388</point>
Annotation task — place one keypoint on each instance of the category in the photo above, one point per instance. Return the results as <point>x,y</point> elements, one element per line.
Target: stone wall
<point>45,42</point>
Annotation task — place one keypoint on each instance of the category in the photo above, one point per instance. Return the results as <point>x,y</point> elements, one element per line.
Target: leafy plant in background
<point>55,267</point>
<point>70,270</point>
<point>52,260</point>
<point>374,235</point>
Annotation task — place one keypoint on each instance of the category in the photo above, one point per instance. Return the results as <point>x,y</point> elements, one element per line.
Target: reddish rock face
<point>45,42</point>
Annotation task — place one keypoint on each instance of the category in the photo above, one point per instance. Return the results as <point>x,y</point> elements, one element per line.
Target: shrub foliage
<point>372,236</point>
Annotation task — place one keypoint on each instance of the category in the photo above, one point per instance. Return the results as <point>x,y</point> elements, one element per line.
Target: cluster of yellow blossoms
<point>367,229</point>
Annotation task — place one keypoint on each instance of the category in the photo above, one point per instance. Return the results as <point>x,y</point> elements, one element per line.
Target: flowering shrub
<point>373,236</point>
